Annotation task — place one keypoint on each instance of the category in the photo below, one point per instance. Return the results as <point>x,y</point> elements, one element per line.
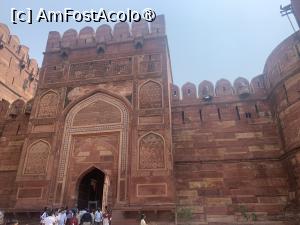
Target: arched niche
<point>36,159</point>
<point>151,152</point>
<point>150,95</point>
<point>96,114</point>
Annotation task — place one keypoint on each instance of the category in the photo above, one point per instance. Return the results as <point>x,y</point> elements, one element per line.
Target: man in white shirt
<point>98,217</point>
<point>44,215</point>
<point>1,217</point>
<point>93,215</point>
<point>50,220</point>
<point>62,218</point>
<point>143,222</point>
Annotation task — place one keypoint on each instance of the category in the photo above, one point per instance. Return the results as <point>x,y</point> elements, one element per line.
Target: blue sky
<point>209,40</point>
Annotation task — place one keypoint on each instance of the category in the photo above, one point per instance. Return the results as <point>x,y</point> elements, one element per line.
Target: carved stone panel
<point>94,69</point>
<point>151,152</point>
<point>150,63</point>
<point>123,88</point>
<point>34,193</point>
<point>99,147</point>
<point>152,190</point>
<point>150,95</point>
<point>48,105</point>
<point>37,158</point>
<point>99,112</point>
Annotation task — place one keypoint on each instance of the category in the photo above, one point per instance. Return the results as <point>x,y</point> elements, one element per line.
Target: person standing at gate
<point>44,215</point>
<point>106,217</point>
<point>1,217</point>
<point>143,222</point>
<point>69,216</point>
<point>86,218</point>
<point>74,220</point>
<point>62,218</point>
<point>92,212</point>
<point>50,219</point>
<point>98,216</point>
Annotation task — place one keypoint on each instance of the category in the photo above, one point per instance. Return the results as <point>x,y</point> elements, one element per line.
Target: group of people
<point>65,216</point>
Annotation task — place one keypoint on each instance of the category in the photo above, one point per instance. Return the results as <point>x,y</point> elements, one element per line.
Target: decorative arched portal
<point>95,134</point>
<point>91,189</point>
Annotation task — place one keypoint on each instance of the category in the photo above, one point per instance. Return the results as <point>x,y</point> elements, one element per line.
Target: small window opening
<point>138,45</point>
<point>238,112</point>
<point>256,109</point>
<point>219,114</point>
<point>200,114</point>
<point>19,126</point>
<point>10,60</point>
<point>248,115</point>
<point>182,116</point>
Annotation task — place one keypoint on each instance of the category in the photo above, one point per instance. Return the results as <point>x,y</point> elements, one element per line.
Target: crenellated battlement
<point>206,91</point>
<point>282,63</point>
<point>16,109</point>
<point>104,34</point>
<point>19,73</point>
<point>21,52</point>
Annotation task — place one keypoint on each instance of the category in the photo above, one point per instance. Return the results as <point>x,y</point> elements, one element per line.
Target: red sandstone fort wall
<point>126,67</point>
<point>18,83</point>
<point>282,72</point>
<point>244,147</point>
<point>226,152</point>
<point>18,72</point>
<point>13,130</point>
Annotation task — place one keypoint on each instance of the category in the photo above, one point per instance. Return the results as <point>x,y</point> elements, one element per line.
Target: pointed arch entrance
<point>91,189</point>
<point>95,133</point>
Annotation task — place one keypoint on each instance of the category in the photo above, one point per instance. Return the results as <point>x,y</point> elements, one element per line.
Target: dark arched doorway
<point>90,190</point>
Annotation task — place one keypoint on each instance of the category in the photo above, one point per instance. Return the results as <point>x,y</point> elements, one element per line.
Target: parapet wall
<point>17,109</point>
<point>226,149</point>
<point>240,90</point>
<point>14,122</point>
<point>18,72</point>
<point>121,32</point>
<point>12,42</point>
<point>282,63</point>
